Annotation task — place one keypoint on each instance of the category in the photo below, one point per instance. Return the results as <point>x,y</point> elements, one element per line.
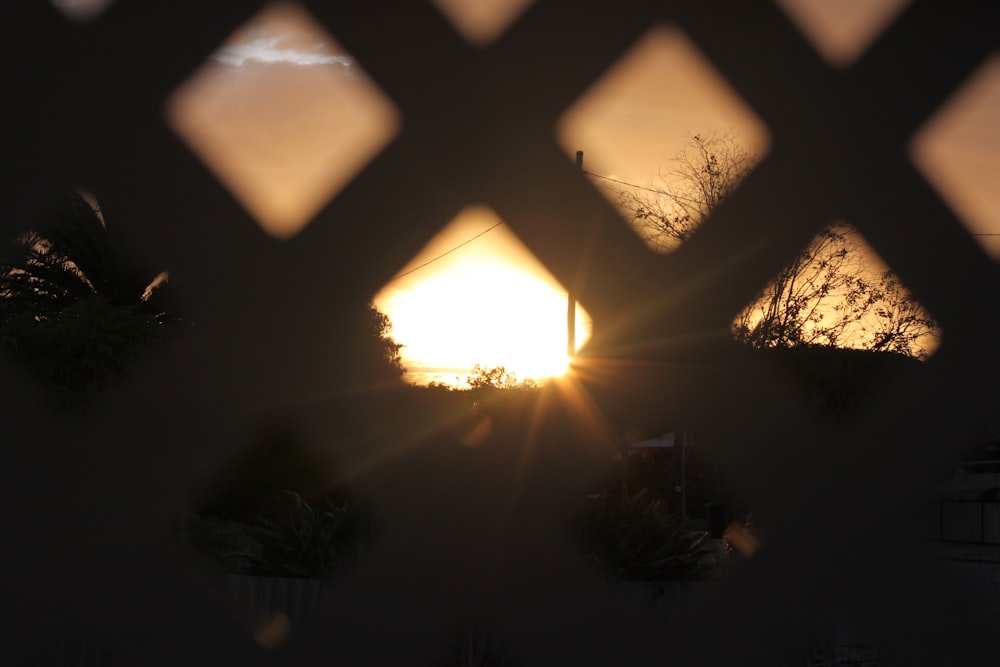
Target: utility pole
<point>570,297</point>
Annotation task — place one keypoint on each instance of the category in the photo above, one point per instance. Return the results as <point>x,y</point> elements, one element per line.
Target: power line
<point>615,180</point>
<point>448,252</point>
<point>588,173</point>
<point>662,193</point>
<point>694,201</point>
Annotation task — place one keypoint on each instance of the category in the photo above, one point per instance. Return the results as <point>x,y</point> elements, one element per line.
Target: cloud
<point>266,50</point>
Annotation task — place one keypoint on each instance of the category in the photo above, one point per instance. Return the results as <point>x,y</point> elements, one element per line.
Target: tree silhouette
<point>701,176</point>
<point>827,295</point>
<point>379,333</point>
<point>71,255</point>
<point>75,312</point>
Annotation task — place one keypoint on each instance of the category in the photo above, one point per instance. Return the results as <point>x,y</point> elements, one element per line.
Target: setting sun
<point>490,302</point>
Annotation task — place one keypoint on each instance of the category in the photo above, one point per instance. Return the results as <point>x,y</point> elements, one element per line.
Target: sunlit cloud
<point>283,116</point>
<point>267,50</point>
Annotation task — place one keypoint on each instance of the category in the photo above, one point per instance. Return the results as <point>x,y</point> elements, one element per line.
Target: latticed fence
<point>479,534</point>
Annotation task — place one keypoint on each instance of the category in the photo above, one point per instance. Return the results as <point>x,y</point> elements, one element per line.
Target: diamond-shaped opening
<point>474,295</point>
<point>975,477</point>
<point>960,508</point>
<point>482,21</point>
<point>958,151</point>
<point>277,527</point>
<point>839,317</point>
<point>283,116</point>
<point>841,31</point>
<point>657,519</point>
<point>664,137</point>
<point>82,10</point>
<point>77,312</point>
<point>957,521</point>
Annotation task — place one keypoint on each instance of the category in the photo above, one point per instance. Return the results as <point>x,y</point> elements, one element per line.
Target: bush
<point>82,350</point>
<point>304,542</point>
<point>637,539</point>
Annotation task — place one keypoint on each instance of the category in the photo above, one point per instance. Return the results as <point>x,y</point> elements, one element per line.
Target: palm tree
<point>74,310</point>
<point>70,256</point>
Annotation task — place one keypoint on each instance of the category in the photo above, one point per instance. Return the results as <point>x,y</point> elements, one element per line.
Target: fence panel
<point>482,533</point>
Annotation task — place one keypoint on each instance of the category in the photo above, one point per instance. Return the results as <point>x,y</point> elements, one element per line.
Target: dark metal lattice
<point>86,504</point>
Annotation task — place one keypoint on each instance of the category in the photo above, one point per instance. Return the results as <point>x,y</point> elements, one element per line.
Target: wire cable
<point>444,254</point>
<point>615,180</point>
<point>693,201</point>
<point>662,193</point>
<point>588,173</point>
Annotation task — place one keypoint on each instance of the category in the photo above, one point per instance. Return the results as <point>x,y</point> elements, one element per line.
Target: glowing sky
<point>490,303</point>
<point>638,116</point>
<point>285,118</point>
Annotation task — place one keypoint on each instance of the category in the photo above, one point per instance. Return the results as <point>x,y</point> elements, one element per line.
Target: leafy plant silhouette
<point>75,311</point>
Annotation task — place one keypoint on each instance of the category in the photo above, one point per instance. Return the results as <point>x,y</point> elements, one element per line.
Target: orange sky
<point>490,302</point>
<point>285,119</point>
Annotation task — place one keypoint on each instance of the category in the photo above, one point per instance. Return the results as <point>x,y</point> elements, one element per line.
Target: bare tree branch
<point>825,296</point>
